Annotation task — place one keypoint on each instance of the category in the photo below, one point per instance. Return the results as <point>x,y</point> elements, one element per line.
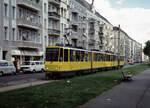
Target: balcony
<point>55,2</point>
<point>54,15</point>
<point>29,4</point>
<point>54,32</point>
<point>91,42</point>
<point>24,45</point>
<point>23,22</point>
<point>91,31</point>
<point>75,22</point>
<point>74,35</point>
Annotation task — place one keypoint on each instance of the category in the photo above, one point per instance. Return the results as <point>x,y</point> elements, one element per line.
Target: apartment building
<point>138,52</point>
<point>55,21</point>
<point>78,24</point>
<point>131,49</point>
<point>89,28</point>
<point>28,26</point>
<point>21,30</point>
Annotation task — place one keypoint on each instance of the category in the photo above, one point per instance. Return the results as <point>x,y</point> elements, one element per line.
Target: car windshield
<point>3,64</point>
<point>52,54</point>
<point>26,63</point>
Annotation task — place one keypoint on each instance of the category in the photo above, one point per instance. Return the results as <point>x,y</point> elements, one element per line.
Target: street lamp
<point>119,47</point>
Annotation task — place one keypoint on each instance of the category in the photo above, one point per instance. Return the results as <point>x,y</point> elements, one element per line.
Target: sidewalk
<point>23,85</point>
<point>133,94</point>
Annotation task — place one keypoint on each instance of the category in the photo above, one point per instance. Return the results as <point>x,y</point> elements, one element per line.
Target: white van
<point>32,66</point>
<point>7,67</point>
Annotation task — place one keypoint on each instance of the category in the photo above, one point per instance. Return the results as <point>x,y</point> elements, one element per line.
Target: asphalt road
<point>23,77</point>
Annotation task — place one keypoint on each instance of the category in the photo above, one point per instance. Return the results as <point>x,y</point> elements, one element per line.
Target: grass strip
<point>68,93</point>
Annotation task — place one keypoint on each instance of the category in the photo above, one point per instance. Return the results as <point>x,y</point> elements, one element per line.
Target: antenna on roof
<point>92,7</point>
<point>92,2</point>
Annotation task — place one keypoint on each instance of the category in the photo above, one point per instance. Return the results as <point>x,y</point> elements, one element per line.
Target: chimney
<point>92,3</point>
<point>92,6</point>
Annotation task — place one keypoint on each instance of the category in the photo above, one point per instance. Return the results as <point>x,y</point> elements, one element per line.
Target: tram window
<point>120,58</point>
<point>72,55</point>
<point>86,56</point>
<point>65,54</point>
<point>114,58</point>
<point>111,58</point>
<point>89,56</point>
<point>52,54</point>
<point>77,55</point>
<point>102,57</point>
<point>94,56</point>
<point>82,56</point>
<point>107,58</point>
<point>97,57</point>
<point>61,55</point>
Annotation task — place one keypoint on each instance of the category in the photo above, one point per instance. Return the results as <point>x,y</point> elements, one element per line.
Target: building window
<point>62,28</point>
<point>13,34</point>
<point>13,12</point>
<point>20,13</point>
<point>44,23</point>
<point>6,10</point>
<point>19,35</point>
<point>37,1</point>
<point>65,13</point>
<point>62,12</point>
<point>6,33</point>
<point>45,7</point>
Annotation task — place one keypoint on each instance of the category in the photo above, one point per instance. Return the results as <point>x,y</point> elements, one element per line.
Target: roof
<point>85,4</point>
<point>88,6</point>
<point>117,28</point>
<point>98,14</point>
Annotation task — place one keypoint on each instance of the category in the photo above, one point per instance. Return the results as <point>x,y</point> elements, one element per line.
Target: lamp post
<point>119,47</point>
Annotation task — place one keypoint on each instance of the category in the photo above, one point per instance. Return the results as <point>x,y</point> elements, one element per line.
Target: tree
<point>146,49</point>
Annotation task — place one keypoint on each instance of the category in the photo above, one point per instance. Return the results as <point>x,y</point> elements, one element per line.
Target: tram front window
<point>52,54</point>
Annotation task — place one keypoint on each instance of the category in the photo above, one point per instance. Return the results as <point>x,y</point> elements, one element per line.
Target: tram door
<point>73,63</point>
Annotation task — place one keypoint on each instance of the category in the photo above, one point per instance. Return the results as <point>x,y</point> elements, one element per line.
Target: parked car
<point>32,66</point>
<point>7,67</point>
<point>131,63</point>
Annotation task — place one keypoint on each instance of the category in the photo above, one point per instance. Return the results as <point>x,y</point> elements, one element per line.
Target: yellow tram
<point>66,61</point>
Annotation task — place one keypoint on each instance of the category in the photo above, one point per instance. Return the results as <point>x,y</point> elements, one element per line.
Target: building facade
<point>21,30</point>
<point>131,49</point>
<point>28,26</point>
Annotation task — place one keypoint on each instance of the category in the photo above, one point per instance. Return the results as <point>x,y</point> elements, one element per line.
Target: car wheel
<point>34,71</point>
<point>1,73</point>
<point>14,73</point>
<point>42,70</point>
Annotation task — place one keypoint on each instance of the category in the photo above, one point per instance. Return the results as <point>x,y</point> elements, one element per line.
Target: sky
<point>132,15</point>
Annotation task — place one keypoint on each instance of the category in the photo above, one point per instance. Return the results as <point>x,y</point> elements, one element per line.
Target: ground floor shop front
<point>20,56</point>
